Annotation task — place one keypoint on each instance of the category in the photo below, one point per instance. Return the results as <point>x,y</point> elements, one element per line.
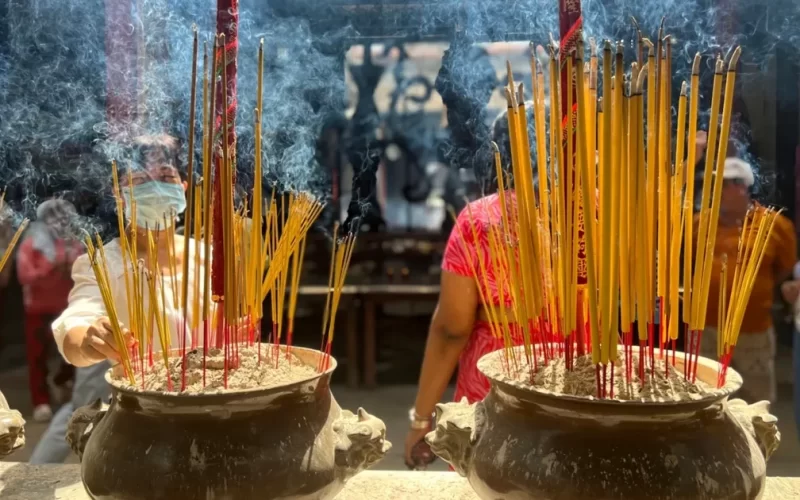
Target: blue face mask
<point>155,200</point>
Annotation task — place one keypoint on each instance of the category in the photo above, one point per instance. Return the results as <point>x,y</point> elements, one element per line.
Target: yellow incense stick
<point>690,174</point>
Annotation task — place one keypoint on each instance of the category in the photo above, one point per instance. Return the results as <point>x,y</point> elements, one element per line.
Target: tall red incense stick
<point>571,30</point>
<point>227,23</point>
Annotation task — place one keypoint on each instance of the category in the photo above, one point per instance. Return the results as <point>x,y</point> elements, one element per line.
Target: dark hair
<point>166,145</point>
<point>501,137</point>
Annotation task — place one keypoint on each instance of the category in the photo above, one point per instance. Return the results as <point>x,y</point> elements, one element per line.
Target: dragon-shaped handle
<point>361,442</point>
<point>12,428</point>
<point>759,422</point>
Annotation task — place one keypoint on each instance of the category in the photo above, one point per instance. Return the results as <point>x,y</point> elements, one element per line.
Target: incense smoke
<point>56,140</point>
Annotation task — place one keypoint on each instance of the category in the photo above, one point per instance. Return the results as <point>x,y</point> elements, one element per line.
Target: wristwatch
<point>418,422</point>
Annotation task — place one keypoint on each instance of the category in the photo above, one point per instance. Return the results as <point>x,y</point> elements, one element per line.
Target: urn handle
<point>12,428</point>
<point>361,442</point>
<point>82,423</point>
<point>456,432</point>
<point>759,422</point>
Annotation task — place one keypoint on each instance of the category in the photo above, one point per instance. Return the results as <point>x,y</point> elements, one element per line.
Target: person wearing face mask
<point>43,268</point>
<point>83,332</point>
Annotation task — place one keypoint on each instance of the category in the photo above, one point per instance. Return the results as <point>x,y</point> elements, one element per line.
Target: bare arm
<point>448,334</point>
<point>83,333</point>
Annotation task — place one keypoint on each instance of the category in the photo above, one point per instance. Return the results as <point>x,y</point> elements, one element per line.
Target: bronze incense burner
<point>290,441</point>
<point>522,444</point>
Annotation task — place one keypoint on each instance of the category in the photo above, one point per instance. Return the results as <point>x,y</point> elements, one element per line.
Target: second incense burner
<point>527,442</point>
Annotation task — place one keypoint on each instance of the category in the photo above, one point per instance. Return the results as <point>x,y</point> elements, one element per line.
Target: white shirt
<point>86,303</point>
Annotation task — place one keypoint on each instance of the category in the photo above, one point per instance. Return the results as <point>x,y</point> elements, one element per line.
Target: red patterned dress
<point>461,257</point>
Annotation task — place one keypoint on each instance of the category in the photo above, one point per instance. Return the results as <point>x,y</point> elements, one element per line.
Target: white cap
<point>736,168</point>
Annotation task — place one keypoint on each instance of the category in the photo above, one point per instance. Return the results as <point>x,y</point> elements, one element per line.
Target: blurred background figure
<point>44,264</point>
<point>460,333</point>
<point>6,233</point>
<point>754,357</point>
<point>790,291</point>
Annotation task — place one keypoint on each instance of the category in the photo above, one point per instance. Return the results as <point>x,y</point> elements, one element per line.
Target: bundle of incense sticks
<point>263,257</point>
<point>752,244</point>
<point>639,192</point>
<point>15,239</point>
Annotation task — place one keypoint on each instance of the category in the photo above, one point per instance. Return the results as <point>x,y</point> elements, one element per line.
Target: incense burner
<point>290,441</point>
<point>523,443</point>
<point>12,428</point>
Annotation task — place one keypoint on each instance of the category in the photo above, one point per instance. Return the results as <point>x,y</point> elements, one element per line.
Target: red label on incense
<point>570,28</point>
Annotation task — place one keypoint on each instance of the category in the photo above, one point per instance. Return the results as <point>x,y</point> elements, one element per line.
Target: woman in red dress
<point>460,333</point>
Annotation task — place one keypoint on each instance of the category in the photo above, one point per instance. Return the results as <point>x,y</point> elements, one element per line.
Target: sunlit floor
<point>391,403</point>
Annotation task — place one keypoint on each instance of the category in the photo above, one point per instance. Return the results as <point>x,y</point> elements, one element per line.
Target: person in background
<point>790,290</point>
<point>754,357</point>
<point>6,234</point>
<point>460,333</point>
<point>44,261</point>
<point>83,334</point>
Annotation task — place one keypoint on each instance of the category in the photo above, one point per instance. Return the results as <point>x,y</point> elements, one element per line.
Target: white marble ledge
<point>20,481</point>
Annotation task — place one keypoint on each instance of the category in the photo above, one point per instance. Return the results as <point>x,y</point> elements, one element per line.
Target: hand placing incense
<point>98,344</point>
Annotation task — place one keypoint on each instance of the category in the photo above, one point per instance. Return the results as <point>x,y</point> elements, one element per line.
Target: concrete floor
<point>391,403</point>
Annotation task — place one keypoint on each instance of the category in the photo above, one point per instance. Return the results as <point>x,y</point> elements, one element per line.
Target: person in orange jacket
<point>754,356</point>
<point>44,264</point>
